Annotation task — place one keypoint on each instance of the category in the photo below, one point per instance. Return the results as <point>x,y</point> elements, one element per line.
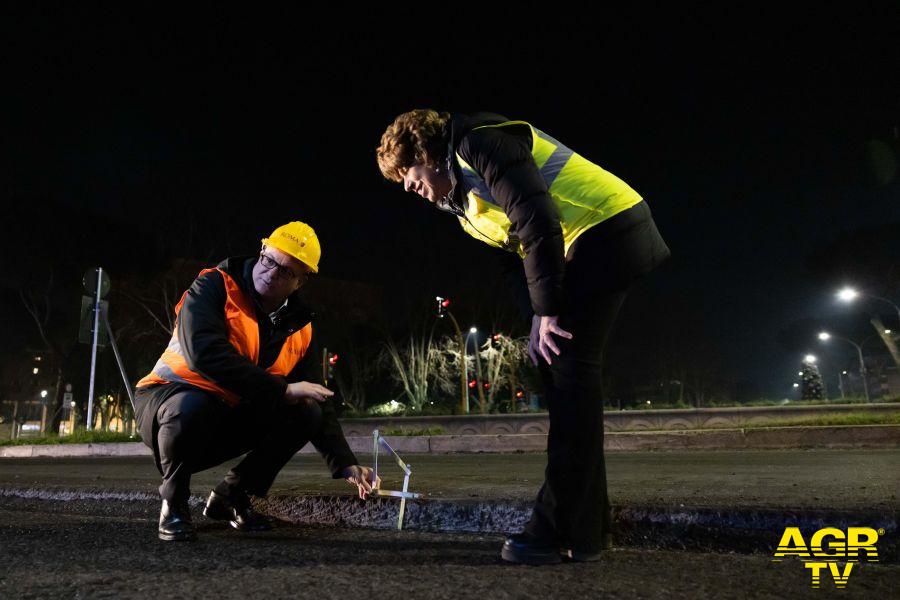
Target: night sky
<point>750,135</point>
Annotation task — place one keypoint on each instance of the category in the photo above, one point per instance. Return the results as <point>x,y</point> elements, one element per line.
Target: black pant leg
<point>186,426</point>
<point>572,506</point>
<point>280,437</point>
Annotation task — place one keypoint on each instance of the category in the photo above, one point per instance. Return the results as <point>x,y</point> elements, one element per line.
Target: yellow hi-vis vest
<point>584,194</point>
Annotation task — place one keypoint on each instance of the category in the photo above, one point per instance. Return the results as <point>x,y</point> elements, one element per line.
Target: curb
<point>75,450</point>
<point>702,529</point>
<point>850,436</point>
<point>744,530</point>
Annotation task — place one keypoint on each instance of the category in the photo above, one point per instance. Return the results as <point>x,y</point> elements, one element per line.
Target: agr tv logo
<point>828,547</point>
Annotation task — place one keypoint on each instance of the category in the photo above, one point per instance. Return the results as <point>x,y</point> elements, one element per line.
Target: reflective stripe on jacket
<point>243,334</point>
<point>583,193</point>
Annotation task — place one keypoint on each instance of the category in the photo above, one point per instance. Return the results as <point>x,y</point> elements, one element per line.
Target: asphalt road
<point>110,550</point>
<point>859,479</point>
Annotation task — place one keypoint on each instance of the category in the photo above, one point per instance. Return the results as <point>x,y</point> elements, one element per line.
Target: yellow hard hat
<point>298,240</point>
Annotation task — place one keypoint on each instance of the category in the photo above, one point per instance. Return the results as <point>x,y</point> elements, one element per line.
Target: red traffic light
<point>487,385</point>
<point>332,359</point>
<point>473,383</point>
<point>496,337</point>
<point>520,394</point>
<point>442,304</point>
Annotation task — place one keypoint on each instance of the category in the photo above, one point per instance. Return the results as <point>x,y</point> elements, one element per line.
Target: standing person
<point>581,235</point>
<point>240,376</point>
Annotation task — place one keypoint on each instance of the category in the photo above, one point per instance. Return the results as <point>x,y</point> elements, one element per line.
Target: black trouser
<point>572,507</point>
<point>196,431</point>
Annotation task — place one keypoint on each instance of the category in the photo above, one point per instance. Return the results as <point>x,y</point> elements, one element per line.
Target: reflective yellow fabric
<point>584,193</point>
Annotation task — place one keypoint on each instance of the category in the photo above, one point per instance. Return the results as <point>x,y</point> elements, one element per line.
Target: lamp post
<point>849,294</point>
<point>466,358</point>
<point>443,305</point>
<point>841,382</point>
<point>825,336</point>
<point>478,379</point>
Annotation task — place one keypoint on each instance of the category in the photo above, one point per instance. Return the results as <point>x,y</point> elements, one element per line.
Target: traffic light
<point>332,360</point>
<point>520,394</point>
<point>473,384</point>
<point>486,385</point>
<point>442,304</point>
<point>495,340</point>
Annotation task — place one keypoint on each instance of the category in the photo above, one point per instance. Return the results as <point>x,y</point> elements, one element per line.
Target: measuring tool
<point>379,441</point>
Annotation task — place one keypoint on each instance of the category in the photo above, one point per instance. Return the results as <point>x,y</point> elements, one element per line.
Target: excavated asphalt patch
<point>737,501</point>
<point>746,530</point>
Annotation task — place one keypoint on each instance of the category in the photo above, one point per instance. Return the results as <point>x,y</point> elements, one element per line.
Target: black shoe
<point>237,511</point>
<point>175,522</point>
<point>529,550</point>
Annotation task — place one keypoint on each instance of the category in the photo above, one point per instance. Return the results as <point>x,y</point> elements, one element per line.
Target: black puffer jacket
<point>503,158</point>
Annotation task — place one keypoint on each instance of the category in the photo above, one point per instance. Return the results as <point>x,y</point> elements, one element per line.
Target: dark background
<point>766,144</point>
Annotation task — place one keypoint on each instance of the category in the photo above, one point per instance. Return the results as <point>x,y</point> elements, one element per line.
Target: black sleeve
<point>330,440</point>
<point>505,162</point>
<point>203,335</point>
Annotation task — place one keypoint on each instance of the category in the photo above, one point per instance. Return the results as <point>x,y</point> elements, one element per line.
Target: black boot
<point>528,550</point>
<point>237,511</point>
<point>175,522</point>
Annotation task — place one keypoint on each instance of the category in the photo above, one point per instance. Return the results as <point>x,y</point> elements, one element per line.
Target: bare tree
<point>445,369</point>
<point>411,366</point>
<point>39,305</point>
<point>356,370</point>
<point>157,297</point>
<point>503,358</point>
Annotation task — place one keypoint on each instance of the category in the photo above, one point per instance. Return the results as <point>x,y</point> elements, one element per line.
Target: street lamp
<point>841,383</point>
<point>472,330</point>
<point>825,336</point>
<point>849,294</point>
<point>43,393</point>
<point>809,358</point>
<point>478,378</point>
<point>443,308</point>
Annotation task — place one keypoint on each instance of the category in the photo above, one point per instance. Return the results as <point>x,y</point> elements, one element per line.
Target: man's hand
<point>541,342</point>
<point>361,477</point>
<point>305,391</point>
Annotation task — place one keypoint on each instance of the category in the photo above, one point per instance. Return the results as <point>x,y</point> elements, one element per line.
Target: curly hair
<point>414,137</point>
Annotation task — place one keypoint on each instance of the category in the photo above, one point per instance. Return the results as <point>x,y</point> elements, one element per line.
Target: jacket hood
<point>460,125</point>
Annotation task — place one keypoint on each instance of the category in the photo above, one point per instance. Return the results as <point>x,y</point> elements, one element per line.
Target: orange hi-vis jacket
<point>243,334</point>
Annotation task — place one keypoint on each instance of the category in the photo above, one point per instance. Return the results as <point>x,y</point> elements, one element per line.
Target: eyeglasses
<point>281,271</point>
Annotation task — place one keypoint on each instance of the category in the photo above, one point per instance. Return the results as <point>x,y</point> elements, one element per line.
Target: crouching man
<point>239,376</point>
